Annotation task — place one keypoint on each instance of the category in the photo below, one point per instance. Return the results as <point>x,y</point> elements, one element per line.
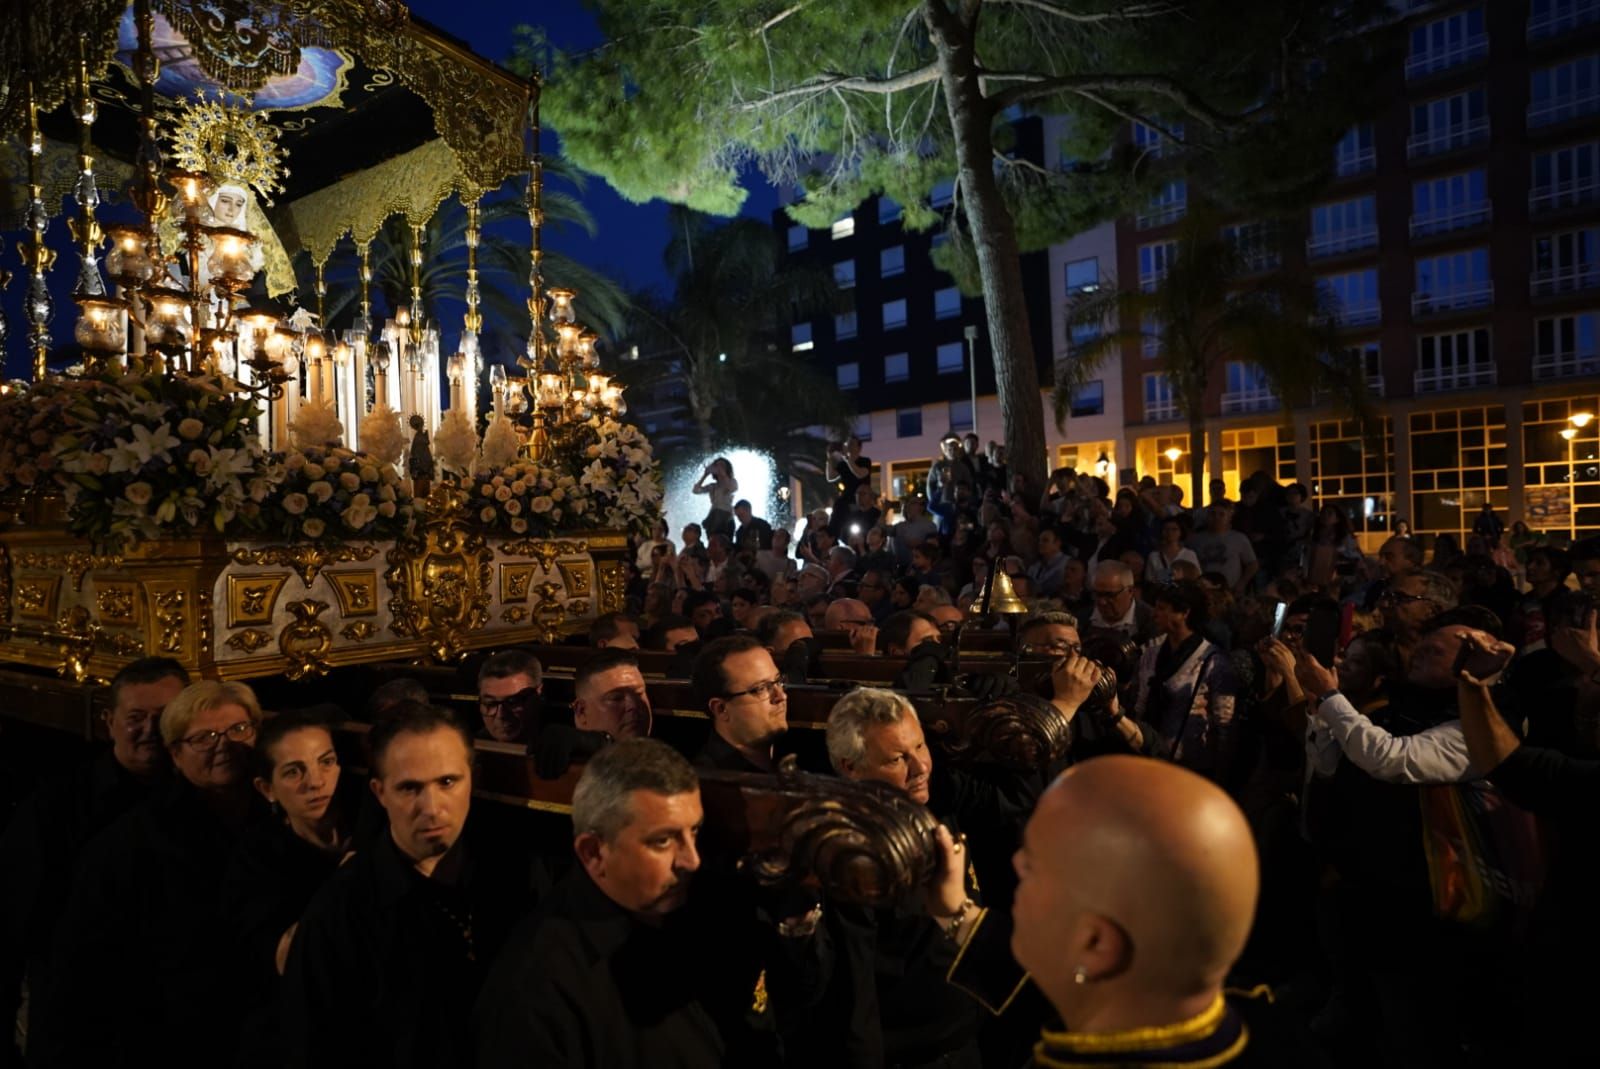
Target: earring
<point>1080,975</point>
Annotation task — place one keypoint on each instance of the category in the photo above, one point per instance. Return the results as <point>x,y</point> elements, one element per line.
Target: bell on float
<point>998,596</point>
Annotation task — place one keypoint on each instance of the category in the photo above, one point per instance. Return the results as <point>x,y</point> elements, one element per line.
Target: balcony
<point>1459,299</point>
<point>1456,378</point>
<point>1566,365</point>
<point>1462,217</point>
<point>1563,18</point>
<point>1259,399</point>
<point>1564,108</point>
<point>1341,241</point>
<point>1442,59</point>
<point>1358,313</point>
<point>1160,215</point>
<point>1347,163</point>
<point>1375,385</point>
<point>1149,282</point>
<point>1448,138</point>
<point>1558,195</point>
<point>1162,411</point>
<point>1552,281</point>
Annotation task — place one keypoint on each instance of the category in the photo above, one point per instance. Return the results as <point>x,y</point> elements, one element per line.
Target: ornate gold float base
<point>245,610</point>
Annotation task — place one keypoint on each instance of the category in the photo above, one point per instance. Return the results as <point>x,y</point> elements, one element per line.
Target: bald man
<point>1138,884</point>
<point>852,616</point>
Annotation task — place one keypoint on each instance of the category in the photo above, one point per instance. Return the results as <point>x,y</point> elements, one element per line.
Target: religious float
<point>223,478</point>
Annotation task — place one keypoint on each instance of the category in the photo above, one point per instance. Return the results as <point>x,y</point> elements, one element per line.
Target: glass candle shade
<point>588,357</point>
<point>229,264</point>
<point>561,310</point>
<point>165,324</point>
<point>101,327</point>
<point>567,340</point>
<point>551,390</point>
<point>191,190</point>
<point>128,260</point>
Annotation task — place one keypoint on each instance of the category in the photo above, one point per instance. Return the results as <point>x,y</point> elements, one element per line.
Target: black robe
<point>143,945</point>
<point>386,963</point>
<point>41,845</point>
<point>583,982</point>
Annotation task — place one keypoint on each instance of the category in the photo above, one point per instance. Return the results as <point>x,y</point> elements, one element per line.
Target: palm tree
<point>1210,308</point>
<point>724,339</point>
<point>502,267</point>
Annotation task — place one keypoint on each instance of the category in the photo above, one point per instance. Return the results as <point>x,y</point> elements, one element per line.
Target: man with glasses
<point>1072,679</point>
<point>852,616</point>
<point>873,590</point>
<point>1115,606</point>
<point>50,827</point>
<point>509,685</point>
<point>1049,570</point>
<point>1408,604</point>
<point>736,681</point>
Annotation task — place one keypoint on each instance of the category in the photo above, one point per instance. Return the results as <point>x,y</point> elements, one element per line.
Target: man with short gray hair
<point>1115,606</point>
<point>841,571</point>
<point>618,968</point>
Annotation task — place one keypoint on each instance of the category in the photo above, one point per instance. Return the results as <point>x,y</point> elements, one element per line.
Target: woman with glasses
<point>144,943</point>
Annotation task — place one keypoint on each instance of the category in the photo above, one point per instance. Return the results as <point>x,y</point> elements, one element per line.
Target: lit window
<point>946,303</point>
<point>888,210</point>
<point>843,228</point>
<point>848,375</point>
<point>1154,262</point>
<point>1159,404</point>
<point>894,314</point>
<point>1353,297</point>
<point>863,426</point>
<point>1343,226</point>
<point>800,336</point>
<point>892,261</point>
<point>952,357</point>
<point>1083,276</point>
<point>908,423</point>
<point>1089,399</point>
<point>798,236</point>
<point>961,415</point>
<point>844,274</point>
<point>896,367</point>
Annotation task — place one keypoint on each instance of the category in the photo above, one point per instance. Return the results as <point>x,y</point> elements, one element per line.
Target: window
<point>1247,389</point>
<point>1454,361</point>
<point>1454,202</point>
<point>1343,226</point>
<point>961,415</point>
<point>1354,296</point>
<point>894,314</point>
<point>843,228</point>
<point>1152,333</point>
<point>1458,462</point>
<point>1256,244</point>
<point>1452,282</point>
<point>1356,153</point>
<point>1564,92</point>
<point>952,357</point>
<point>1348,473</point>
<point>1089,399</point>
<point>848,375</point>
<point>908,423</point>
<point>798,235</point>
<point>1371,358</point>
<point>1167,206</point>
<point>1448,123</point>
<point>800,336</point>
<point>863,426</point>
<point>888,210</point>
<point>896,367</point>
<point>1551,18</point>
<point>1152,142</point>
<point>844,325</point>
<point>1447,42</point>
<point>1159,403</point>
<point>1566,345</point>
<point>1561,469</point>
<point>892,261</point>
<point>946,303</point>
<point>1154,262</point>
<point>844,274</point>
<point>943,193</point>
<point>1566,262</point>
<point>1565,177</point>
<point>1083,276</point>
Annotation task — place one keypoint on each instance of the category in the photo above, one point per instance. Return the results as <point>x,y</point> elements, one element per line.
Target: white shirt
<point>1437,755</point>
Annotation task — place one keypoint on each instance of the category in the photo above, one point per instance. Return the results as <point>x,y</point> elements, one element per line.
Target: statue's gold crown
<point>230,145</point>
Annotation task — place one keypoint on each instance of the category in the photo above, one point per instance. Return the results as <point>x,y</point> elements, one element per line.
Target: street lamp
<point>1577,421</point>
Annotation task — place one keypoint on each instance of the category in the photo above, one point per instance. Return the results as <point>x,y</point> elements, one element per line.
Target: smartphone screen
<point>1277,618</point>
<point>1322,634</point>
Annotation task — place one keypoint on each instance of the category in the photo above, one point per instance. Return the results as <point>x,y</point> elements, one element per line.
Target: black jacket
<point>386,963</point>
<point>143,941</point>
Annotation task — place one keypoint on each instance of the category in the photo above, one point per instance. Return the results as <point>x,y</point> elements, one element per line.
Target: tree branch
<point>850,83</point>
<point>1037,85</point>
<point>780,16</point>
<point>1135,11</point>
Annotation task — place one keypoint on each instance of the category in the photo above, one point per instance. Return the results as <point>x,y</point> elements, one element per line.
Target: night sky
<point>631,237</point>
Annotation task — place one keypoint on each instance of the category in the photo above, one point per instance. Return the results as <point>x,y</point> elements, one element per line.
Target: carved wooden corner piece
<point>1019,731</point>
<point>864,843</point>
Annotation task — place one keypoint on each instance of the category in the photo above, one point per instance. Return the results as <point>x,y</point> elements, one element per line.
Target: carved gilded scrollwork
<point>76,637</point>
<point>578,607</point>
<point>307,559</point>
<point>514,581</point>
<point>357,592</point>
<point>36,597</point>
<point>440,581</point>
<point>170,621</point>
<point>248,640</point>
<point>359,630</point>
<point>305,640</point>
<point>75,563</point>
<point>253,597</point>
<point>514,615</point>
<point>116,602</point>
<point>613,581</point>
<point>578,577</point>
<point>544,550</point>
